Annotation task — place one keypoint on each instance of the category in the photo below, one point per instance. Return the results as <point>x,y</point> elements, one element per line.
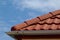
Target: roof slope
<point>50,21</point>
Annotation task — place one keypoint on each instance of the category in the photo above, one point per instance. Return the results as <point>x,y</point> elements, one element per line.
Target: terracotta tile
<point>45,16</point>
<point>56,21</point>
<point>38,27</point>
<point>54,27</point>
<point>45,22</point>
<point>59,27</point>
<point>23,29</point>
<point>15,28</point>
<point>46,27</point>
<point>53,17</point>
<point>19,26</point>
<point>32,21</point>
<point>56,12</point>
<point>42,22</point>
<point>49,21</point>
<point>31,27</point>
<point>26,29</point>
<point>58,16</point>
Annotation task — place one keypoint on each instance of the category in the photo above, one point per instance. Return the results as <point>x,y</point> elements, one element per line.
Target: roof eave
<point>40,32</point>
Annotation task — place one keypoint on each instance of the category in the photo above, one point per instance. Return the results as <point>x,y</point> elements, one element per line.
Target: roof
<point>50,21</point>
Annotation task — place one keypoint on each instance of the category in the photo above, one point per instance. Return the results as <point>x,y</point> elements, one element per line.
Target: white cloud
<point>43,5</point>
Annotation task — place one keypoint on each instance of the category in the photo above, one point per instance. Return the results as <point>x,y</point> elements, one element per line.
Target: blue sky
<point>13,12</point>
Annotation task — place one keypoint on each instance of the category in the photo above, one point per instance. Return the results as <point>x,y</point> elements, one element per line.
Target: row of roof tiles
<point>52,17</point>
<point>40,27</point>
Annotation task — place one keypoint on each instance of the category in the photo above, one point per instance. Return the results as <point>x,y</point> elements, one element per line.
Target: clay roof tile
<point>46,27</point>
<point>54,27</point>
<point>45,22</point>
<point>49,21</point>
<point>56,21</point>
<point>38,27</point>
<point>58,16</point>
<point>30,27</point>
<point>32,21</point>
<point>58,26</point>
<point>45,16</point>
<point>56,12</point>
<point>19,26</point>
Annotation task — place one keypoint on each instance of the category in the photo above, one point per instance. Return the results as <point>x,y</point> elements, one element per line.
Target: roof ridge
<point>36,20</point>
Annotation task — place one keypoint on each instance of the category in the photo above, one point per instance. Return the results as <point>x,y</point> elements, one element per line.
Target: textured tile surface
<point>50,21</point>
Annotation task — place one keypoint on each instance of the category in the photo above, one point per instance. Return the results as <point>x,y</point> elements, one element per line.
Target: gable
<point>50,21</point>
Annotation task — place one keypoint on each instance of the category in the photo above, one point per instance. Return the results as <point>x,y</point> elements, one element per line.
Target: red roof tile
<point>58,16</point>
<point>50,21</point>
<point>19,26</point>
<point>46,27</point>
<point>30,27</point>
<point>32,21</point>
<point>56,12</point>
<point>58,26</point>
<point>57,20</point>
<point>38,27</point>
<point>54,27</point>
<point>45,16</point>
